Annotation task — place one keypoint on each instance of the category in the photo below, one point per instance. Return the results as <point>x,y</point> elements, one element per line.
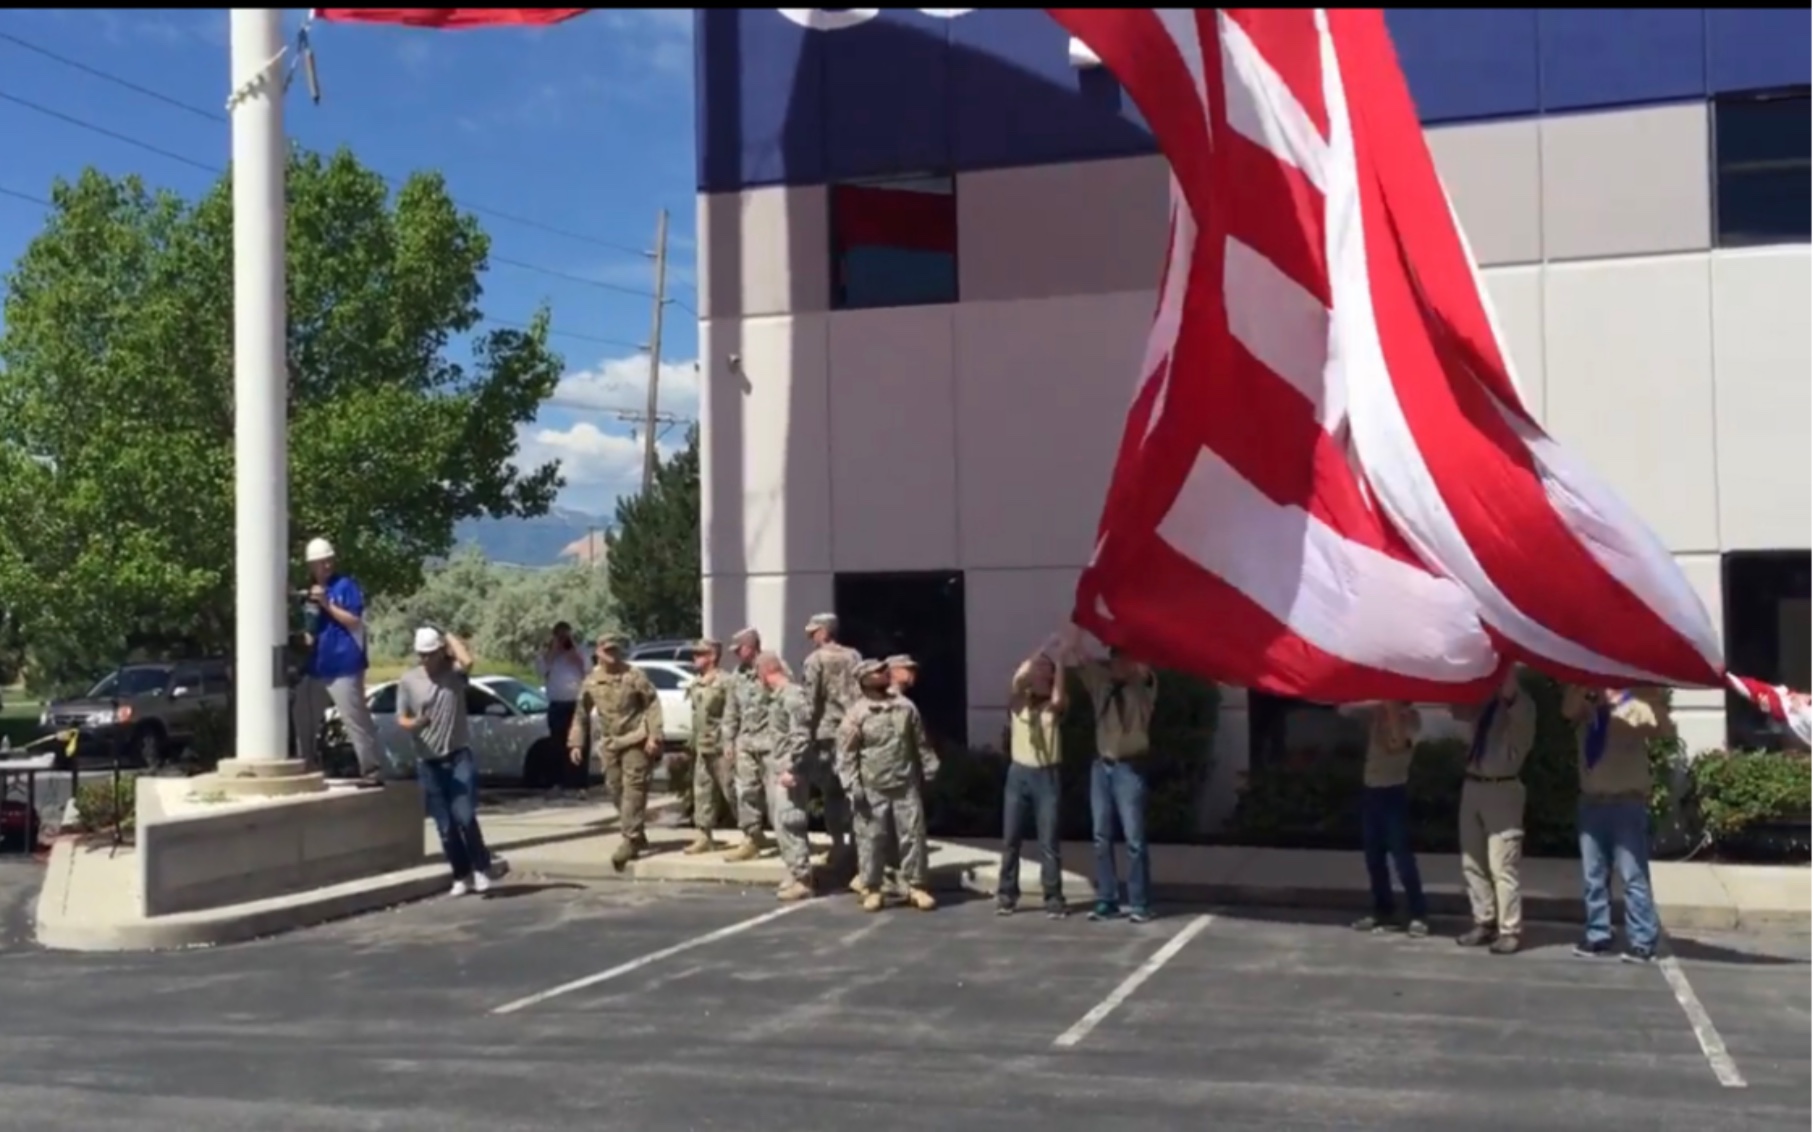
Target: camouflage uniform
<point>790,722</point>
<point>712,775</point>
<point>627,714</point>
<point>748,737</point>
<point>830,685</point>
<point>882,758</point>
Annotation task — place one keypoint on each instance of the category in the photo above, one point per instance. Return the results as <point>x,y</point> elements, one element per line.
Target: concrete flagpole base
<point>263,778</point>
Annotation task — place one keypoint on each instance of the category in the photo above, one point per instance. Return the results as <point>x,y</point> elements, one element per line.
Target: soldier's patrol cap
<point>902,660</point>
<point>826,621</point>
<point>705,645</point>
<point>868,668</point>
<point>612,641</point>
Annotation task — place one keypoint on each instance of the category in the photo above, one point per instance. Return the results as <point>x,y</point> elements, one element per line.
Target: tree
<point>654,551</point>
<point>116,401</point>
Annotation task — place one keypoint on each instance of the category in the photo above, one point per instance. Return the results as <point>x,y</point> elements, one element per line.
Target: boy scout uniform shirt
<point>1034,737</point>
<point>1513,732</point>
<point>1123,715</point>
<point>708,695</point>
<point>880,745</point>
<point>1386,765</point>
<point>1622,772</point>
<point>830,679</point>
<point>790,723</point>
<point>627,706</point>
<point>747,724</point>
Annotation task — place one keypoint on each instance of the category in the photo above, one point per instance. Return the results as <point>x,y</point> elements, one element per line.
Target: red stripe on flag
<point>451,19</point>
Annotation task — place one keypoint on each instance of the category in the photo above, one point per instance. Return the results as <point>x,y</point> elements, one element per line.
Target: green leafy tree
<point>654,551</point>
<point>116,401</point>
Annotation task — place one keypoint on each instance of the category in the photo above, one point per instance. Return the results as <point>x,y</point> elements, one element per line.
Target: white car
<point>509,722</point>
<point>671,678</point>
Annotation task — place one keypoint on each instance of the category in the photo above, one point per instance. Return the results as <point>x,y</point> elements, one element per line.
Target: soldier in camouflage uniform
<point>903,673</point>
<point>627,733</point>
<point>712,777</point>
<point>830,679</point>
<point>882,757</point>
<point>790,720</point>
<point>747,740</point>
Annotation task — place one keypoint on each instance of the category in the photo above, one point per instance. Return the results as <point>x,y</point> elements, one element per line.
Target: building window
<point>893,242</point>
<point>1766,635</point>
<point>1761,174</point>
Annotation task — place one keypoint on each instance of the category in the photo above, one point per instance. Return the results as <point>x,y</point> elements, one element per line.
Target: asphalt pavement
<point>662,1009</point>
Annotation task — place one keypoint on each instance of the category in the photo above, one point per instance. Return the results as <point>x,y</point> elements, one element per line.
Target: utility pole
<point>654,353</point>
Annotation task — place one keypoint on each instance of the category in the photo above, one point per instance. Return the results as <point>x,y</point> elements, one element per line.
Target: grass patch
<point>386,670</point>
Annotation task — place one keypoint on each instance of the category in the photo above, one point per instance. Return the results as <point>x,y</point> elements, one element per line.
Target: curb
<point>213,927</point>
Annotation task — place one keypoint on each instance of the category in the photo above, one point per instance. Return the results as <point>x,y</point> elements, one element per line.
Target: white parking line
<point>640,962</point>
<point>1711,1044</point>
<point>1132,982</point>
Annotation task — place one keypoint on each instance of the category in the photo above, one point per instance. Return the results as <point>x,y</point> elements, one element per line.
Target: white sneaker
<point>460,888</point>
<point>481,883</point>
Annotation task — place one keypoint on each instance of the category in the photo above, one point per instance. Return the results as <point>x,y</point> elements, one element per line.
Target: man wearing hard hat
<point>335,672</point>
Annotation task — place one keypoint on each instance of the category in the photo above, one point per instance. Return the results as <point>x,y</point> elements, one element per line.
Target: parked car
<point>671,679</point>
<point>509,722</point>
<point>678,651</point>
<point>145,712</point>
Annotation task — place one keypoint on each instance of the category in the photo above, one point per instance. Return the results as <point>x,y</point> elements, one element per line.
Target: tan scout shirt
<point>707,696</point>
<point>627,707</point>
<point>1388,751</point>
<point>1500,753</point>
<point>881,745</point>
<point>1123,722</point>
<point>1622,771</point>
<point>1034,737</point>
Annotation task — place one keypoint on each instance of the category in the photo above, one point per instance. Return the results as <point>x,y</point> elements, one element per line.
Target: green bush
<point>211,740</point>
<point>107,805</point>
<point>1734,795</point>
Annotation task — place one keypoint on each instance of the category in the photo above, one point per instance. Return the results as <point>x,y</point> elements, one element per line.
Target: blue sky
<point>586,128</point>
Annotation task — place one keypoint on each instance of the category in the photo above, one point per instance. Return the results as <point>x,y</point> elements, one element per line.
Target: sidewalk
<point>89,898</point>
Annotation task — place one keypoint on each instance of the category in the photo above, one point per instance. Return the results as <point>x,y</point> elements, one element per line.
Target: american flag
<point>1329,485</point>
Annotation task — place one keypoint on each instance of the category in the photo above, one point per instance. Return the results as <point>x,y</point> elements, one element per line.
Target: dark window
<point>216,679</point>
<point>1288,733</point>
<point>893,243</point>
<point>1760,146</point>
<point>384,701</point>
<point>480,700</point>
<point>664,679</point>
<point>920,614</point>
<point>1766,635</point>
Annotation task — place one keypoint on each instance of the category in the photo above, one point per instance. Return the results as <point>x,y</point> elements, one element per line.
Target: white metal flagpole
<point>260,387</point>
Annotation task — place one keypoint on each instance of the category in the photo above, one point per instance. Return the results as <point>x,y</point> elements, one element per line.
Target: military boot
<point>857,886</point>
<point>627,851</point>
<point>921,899</point>
<point>749,850</point>
<point>794,891</point>
<point>872,900</point>
<point>702,842</point>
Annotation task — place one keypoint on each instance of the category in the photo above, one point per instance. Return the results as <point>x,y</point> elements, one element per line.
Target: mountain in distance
<point>554,539</point>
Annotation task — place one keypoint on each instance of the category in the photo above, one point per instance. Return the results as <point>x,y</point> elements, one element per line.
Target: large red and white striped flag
<point>1329,485</point>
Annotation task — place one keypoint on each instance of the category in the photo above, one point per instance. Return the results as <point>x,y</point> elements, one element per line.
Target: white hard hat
<point>428,639</point>
<point>319,549</point>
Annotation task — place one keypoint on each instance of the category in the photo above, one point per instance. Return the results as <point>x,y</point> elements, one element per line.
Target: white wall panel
<point>764,251</point>
<point>774,605</point>
<point>893,440</point>
<point>766,503</point>
<point>1629,352</point>
<point>1762,331</point>
<point>1010,613</point>
<point>1703,574</point>
<point>1043,387</point>
<point>1516,296</point>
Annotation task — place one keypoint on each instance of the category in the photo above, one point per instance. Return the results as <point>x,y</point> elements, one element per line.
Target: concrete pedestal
<point>263,778</point>
<point>204,843</point>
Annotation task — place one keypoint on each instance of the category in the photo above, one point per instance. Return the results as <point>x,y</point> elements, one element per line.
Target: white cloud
<point>597,465</point>
<point>622,383</point>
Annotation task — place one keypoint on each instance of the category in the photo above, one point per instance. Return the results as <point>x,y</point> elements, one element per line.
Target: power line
<point>217,116</point>
<point>26,197</point>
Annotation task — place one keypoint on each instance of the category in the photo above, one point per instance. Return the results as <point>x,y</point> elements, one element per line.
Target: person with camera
<point>431,707</point>
<point>334,672</point>
<point>562,668</point>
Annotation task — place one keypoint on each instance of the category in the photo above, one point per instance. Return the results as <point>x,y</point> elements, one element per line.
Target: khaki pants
<point>626,777</point>
<point>1491,847</point>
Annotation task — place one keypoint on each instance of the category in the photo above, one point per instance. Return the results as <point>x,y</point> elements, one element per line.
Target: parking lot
<point>658,1008</point>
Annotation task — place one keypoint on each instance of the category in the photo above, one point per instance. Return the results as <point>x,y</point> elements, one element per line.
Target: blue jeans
<point>1035,788</point>
<point>450,792</point>
<point>1385,833</point>
<point>1617,832</point>
<point>1117,791</point>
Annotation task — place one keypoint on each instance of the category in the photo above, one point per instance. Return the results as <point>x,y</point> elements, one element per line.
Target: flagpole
<point>260,396</point>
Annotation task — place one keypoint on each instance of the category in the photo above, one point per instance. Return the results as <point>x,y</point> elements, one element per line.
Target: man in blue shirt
<point>335,672</point>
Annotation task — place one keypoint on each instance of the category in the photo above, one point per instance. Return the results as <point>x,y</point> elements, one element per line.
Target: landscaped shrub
<point>107,805</point>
